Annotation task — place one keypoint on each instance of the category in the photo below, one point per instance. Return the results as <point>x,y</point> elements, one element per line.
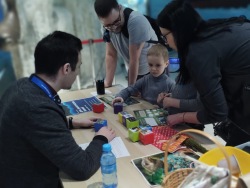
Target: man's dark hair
<point>55,50</point>
<point>104,7</point>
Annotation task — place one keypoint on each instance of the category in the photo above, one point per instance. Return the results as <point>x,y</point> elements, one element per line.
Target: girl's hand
<point>160,97</point>
<point>117,99</point>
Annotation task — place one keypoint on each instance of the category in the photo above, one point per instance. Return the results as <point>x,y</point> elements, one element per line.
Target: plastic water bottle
<point>108,167</point>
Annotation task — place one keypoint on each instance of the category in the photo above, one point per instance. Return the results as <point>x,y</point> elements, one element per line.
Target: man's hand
<point>106,84</point>
<point>84,123</point>
<point>107,132</point>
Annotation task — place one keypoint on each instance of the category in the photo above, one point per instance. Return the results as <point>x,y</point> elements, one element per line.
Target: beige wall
<point>31,20</point>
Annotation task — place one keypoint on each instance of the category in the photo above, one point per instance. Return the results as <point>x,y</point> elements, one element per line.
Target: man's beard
<point>117,30</point>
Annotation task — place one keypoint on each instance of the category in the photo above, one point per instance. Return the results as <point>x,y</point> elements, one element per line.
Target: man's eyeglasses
<point>116,23</point>
<point>164,37</point>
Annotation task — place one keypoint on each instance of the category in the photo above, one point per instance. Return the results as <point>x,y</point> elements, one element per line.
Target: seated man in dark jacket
<point>35,140</point>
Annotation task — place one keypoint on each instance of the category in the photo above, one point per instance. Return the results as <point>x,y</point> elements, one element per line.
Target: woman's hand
<point>185,117</point>
<point>160,98</point>
<point>166,102</point>
<point>175,119</point>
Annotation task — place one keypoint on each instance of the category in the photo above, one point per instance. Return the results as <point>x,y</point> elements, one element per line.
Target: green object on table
<point>194,145</point>
<point>133,134</point>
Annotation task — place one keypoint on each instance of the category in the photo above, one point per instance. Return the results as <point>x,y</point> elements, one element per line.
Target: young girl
<point>154,83</point>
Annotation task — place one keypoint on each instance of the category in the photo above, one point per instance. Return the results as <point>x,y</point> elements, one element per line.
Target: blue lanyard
<point>41,84</point>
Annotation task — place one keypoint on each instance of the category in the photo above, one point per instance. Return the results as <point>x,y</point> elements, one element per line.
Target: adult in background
<point>35,139</point>
<point>134,49</point>
<point>214,54</point>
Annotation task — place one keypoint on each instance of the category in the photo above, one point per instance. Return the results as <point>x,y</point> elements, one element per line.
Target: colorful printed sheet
<point>79,106</point>
<point>161,134</point>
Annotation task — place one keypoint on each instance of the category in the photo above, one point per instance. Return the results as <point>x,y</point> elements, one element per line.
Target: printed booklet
<point>151,167</point>
<point>78,106</point>
<point>152,117</point>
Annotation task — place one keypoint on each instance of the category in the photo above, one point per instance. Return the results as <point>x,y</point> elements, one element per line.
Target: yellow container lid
<point>213,156</point>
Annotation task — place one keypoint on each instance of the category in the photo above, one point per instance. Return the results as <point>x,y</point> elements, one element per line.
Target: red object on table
<point>98,107</point>
<point>162,134</point>
<point>146,137</point>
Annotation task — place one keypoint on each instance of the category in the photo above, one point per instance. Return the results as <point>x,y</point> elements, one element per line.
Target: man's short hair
<point>104,7</point>
<point>54,51</point>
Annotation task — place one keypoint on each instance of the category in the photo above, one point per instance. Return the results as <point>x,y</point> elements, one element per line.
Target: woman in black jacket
<point>215,55</point>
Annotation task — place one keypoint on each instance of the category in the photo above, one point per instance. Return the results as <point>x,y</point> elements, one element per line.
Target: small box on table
<point>132,122</point>
<point>99,124</point>
<point>98,107</point>
<point>118,107</point>
<point>121,114</point>
<point>146,137</point>
<point>133,134</point>
<point>124,119</point>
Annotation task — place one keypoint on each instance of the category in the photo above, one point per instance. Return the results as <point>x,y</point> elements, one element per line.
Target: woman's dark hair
<point>104,7</point>
<point>55,50</point>
<point>185,23</point>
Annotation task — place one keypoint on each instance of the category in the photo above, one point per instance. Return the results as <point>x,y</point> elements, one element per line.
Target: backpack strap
<point>126,12</point>
<point>152,22</point>
<point>156,29</point>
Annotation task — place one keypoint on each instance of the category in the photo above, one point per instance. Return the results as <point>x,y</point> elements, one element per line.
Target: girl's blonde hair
<point>158,50</point>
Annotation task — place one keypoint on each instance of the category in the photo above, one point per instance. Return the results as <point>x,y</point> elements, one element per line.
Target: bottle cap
<point>106,147</point>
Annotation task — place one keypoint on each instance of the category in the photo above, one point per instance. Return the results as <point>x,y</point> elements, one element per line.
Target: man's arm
<point>111,62</point>
<point>134,55</point>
